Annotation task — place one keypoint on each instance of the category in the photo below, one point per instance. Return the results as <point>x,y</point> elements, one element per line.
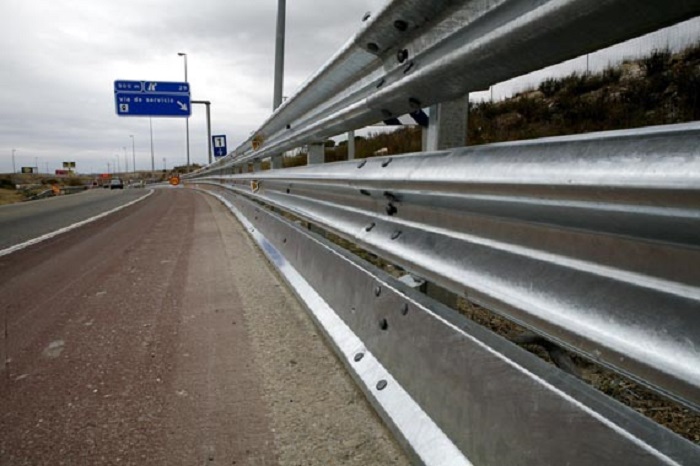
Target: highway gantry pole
<point>187,120</point>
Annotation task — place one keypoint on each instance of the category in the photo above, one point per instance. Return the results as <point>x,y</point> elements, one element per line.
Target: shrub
<point>549,87</point>
<point>657,62</point>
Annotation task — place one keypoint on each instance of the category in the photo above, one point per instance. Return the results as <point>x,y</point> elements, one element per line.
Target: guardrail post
<point>351,145</point>
<point>276,162</point>
<point>316,153</point>
<point>257,166</point>
<point>448,125</point>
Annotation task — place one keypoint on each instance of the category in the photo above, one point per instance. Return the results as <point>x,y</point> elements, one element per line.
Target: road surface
<point>27,220</point>
<point>160,335</point>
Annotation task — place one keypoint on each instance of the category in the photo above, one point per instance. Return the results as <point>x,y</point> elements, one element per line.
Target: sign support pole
<point>208,104</point>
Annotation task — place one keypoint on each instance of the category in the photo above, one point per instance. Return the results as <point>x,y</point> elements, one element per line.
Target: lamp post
<point>118,167</point>
<point>133,154</point>
<point>187,120</point>
<point>279,54</point>
<point>126,161</point>
<point>14,168</point>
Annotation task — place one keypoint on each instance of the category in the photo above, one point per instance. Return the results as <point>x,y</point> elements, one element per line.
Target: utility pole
<point>279,54</point>
<point>187,119</point>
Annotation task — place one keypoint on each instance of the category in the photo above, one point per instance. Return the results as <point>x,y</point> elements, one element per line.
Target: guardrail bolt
<point>386,162</point>
<point>401,25</point>
<point>366,16</point>
<point>391,209</point>
<point>359,356</point>
<point>381,385</point>
<point>370,227</point>
<point>384,324</point>
<point>364,192</point>
<point>402,55</point>
<point>381,83</point>
<point>362,164</point>
<point>377,290</point>
<point>409,67</point>
<point>404,309</point>
<point>396,234</point>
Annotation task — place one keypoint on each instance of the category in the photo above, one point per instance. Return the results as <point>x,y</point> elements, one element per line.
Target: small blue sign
<point>219,143</point>
<point>152,98</point>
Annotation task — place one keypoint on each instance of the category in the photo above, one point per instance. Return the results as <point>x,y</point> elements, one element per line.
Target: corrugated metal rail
<point>592,241</point>
<point>451,47</point>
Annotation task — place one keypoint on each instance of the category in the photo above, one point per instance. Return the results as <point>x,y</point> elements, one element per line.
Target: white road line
<point>41,238</point>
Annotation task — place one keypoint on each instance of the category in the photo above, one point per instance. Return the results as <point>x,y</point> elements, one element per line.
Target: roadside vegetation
<point>662,88</point>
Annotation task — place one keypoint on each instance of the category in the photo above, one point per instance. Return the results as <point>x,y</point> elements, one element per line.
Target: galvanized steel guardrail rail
<point>413,54</point>
<point>592,241</point>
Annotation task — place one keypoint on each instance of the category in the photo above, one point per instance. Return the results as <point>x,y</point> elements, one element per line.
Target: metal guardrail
<point>525,228</point>
<point>431,373</point>
<point>592,241</point>
<point>451,47</point>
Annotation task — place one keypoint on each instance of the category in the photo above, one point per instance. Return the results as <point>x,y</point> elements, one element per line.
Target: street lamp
<point>14,168</point>
<point>133,154</point>
<point>126,161</point>
<point>187,120</point>
<point>279,54</point>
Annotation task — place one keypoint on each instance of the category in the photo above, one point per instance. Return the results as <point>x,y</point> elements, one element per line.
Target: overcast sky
<point>60,58</point>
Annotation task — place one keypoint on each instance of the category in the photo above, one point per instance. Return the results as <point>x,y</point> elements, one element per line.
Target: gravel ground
<point>318,415</point>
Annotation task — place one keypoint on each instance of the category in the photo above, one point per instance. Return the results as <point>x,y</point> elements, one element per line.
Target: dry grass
<point>10,196</point>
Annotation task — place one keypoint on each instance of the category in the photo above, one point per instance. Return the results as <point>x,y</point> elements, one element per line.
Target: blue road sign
<point>219,145</point>
<point>152,98</point>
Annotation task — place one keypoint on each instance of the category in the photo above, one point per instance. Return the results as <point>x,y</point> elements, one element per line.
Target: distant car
<point>116,183</point>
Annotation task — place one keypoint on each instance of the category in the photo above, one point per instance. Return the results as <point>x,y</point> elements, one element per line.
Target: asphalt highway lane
<point>135,339</point>
<point>26,220</point>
